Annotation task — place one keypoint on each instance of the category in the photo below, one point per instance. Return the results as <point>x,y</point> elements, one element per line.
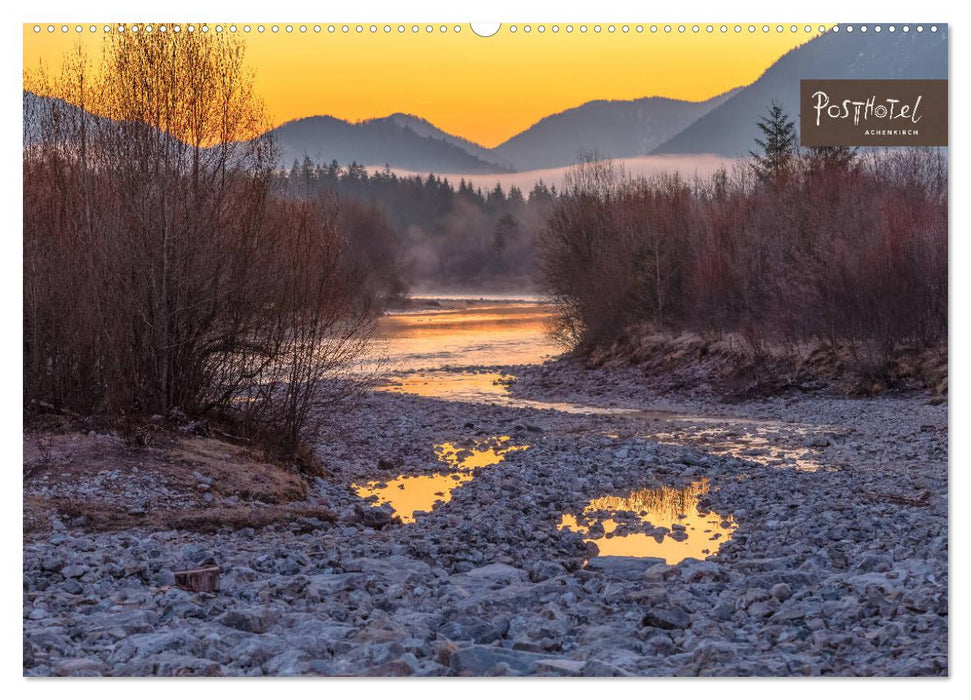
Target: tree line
<point>823,245</point>
<point>447,237</point>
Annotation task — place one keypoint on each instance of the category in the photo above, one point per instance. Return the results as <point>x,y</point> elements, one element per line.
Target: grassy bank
<point>100,476</point>
<point>728,365</point>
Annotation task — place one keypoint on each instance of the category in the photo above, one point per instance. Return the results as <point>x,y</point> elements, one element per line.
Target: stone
<point>544,570</point>
<point>376,517</point>
<point>72,586</point>
<point>74,571</point>
<point>627,568</point>
<point>496,574</point>
<point>292,662</point>
<point>594,668</point>
<point>319,667</point>
<point>469,628</point>
<point>781,592</point>
<point>405,665</point>
<point>481,660</point>
<point>666,619</point>
<point>29,658</point>
<point>175,664</point>
<point>79,667</point>
<point>254,620</point>
<point>710,652</point>
<point>52,564</point>
<point>558,667</point>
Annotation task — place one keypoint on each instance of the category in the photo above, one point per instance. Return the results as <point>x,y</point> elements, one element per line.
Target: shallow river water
<point>461,351</point>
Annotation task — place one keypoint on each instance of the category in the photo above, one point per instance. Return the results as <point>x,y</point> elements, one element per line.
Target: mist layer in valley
<point>688,166</point>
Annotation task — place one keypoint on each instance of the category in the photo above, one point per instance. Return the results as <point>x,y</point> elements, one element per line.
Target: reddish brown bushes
<point>851,253</point>
<point>159,269</point>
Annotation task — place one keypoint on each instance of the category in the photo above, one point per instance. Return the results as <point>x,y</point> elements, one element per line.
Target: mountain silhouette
<point>610,128</point>
<point>730,129</point>
<point>398,141</point>
<point>724,125</point>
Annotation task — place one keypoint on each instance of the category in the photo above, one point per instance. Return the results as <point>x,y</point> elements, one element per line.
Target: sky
<point>483,89</point>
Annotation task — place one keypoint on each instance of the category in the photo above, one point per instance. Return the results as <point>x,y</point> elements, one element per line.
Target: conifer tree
<point>778,146</point>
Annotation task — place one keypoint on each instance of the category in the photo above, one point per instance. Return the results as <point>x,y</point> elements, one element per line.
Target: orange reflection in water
<point>455,386</point>
<point>490,334</point>
<point>411,494</point>
<point>661,507</point>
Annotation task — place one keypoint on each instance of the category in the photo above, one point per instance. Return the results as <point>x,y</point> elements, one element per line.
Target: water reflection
<point>680,529</point>
<point>409,495</point>
<point>474,335</point>
<point>762,445</point>
<point>452,386</point>
<point>492,388</point>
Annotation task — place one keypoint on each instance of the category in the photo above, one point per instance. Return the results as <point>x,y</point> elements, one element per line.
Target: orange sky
<point>485,89</point>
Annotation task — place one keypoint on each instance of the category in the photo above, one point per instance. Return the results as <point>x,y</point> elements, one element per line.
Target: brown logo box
<point>873,113</point>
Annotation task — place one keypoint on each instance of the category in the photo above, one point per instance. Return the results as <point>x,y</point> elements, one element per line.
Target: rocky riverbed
<point>826,525</point>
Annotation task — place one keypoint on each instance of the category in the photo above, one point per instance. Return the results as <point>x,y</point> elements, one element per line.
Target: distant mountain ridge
<point>425,128</point>
<point>37,105</point>
<point>730,129</point>
<point>610,128</point>
<point>724,125</point>
<point>398,141</point>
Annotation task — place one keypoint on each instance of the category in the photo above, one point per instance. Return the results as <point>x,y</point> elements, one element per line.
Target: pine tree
<point>506,228</point>
<point>779,144</point>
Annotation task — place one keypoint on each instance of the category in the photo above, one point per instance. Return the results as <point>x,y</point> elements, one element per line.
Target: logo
<point>873,113</point>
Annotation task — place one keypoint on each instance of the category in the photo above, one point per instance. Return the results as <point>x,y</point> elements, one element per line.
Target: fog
<point>686,165</point>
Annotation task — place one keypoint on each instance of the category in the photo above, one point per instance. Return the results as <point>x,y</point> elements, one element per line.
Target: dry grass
<point>234,470</point>
<point>105,482</point>
<point>99,518</point>
<point>733,369</point>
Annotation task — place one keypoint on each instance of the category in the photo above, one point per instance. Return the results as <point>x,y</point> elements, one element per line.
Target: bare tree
<point>160,270</point>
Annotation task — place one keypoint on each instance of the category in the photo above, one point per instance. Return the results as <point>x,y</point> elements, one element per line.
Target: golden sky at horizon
<point>484,89</point>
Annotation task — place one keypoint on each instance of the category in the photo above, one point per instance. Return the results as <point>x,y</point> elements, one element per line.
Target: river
<point>466,351</point>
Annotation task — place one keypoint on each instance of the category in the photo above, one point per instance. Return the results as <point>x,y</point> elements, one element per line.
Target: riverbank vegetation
<point>829,248</point>
<point>164,271</point>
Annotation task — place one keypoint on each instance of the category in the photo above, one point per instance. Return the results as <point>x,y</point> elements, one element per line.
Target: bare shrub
<point>160,271</point>
<point>849,250</point>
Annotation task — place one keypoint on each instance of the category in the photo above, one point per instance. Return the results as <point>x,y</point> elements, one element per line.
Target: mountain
<point>38,108</point>
<point>611,128</point>
<point>724,125</point>
<point>400,141</point>
<point>730,129</point>
<point>429,130</point>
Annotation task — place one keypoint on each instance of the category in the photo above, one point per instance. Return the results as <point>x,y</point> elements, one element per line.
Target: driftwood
<point>205,579</point>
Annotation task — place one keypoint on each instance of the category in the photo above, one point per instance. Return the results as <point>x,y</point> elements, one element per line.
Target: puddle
<point>690,533</point>
<point>409,494</point>
<point>759,445</point>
